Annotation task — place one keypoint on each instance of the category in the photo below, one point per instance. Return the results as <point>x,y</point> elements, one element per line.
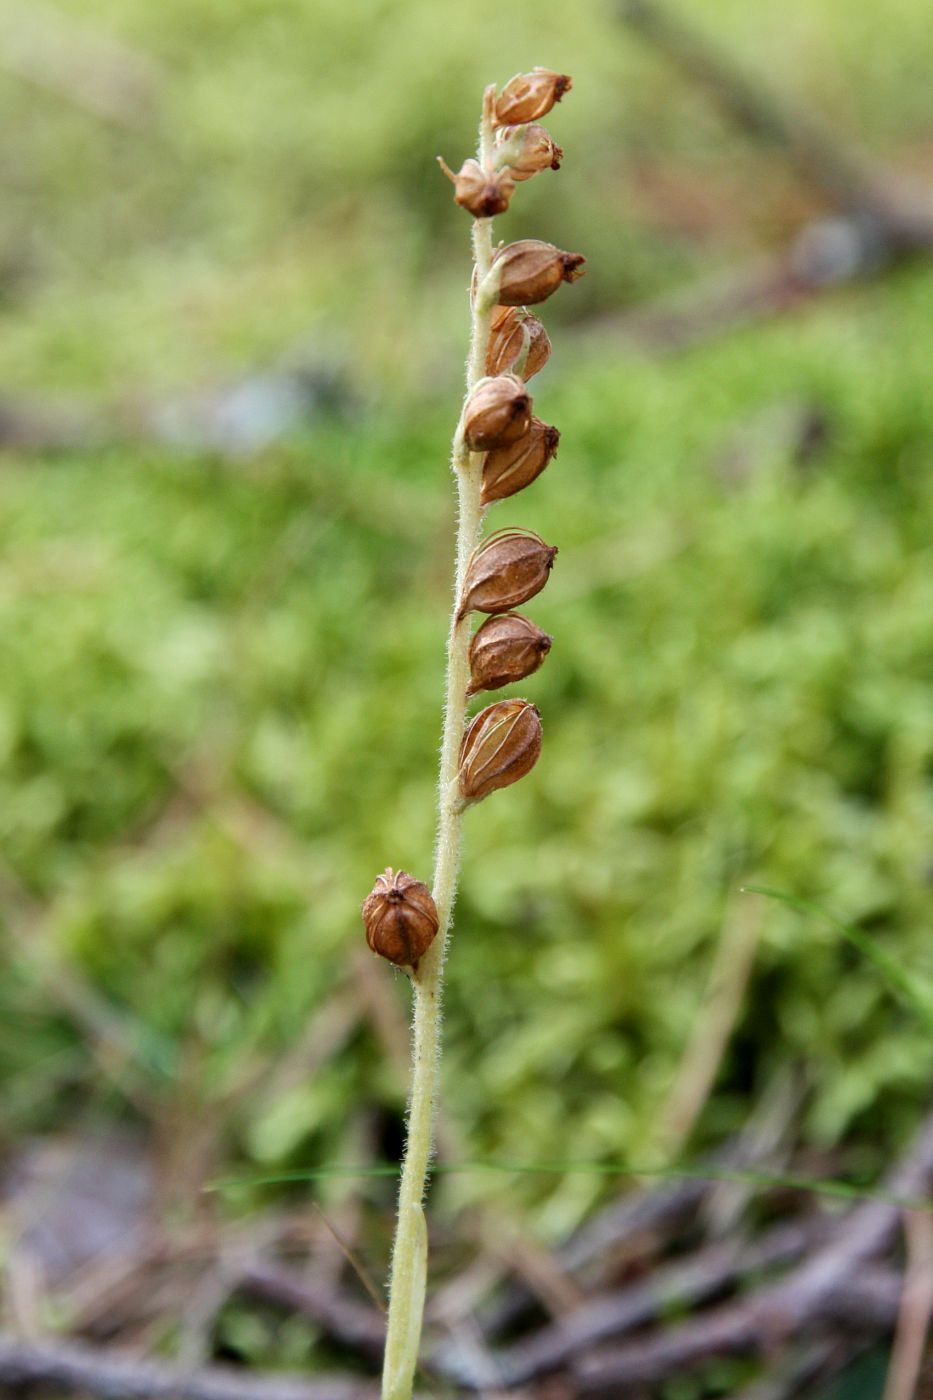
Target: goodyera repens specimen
<point>499,448</point>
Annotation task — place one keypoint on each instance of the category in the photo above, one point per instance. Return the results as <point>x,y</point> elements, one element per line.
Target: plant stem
<point>406,1292</point>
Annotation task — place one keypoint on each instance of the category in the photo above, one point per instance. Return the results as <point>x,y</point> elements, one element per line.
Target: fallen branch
<point>913,1322</point>
<point>87,67</point>
<point>681,1285</point>
<point>647,1219</point>
<point>110,1375</point>
<point>878,215</point>
<point>815,1364</point>
<point>817,1290</point>
<point>849,180</point>
<point>807,142</point>
<point>623,1227</point>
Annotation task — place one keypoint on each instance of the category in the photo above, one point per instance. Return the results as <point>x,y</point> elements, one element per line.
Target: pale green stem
<point>406,1293</point>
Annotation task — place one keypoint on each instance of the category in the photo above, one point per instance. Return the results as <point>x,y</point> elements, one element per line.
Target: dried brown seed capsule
<point>506,570</point>
<point>506,649</point>
<point>509,328</point>
<point>531,271</point>
<point>483,193</point>
<point>502,744</point>
<point>528,96</point>
<point>510,469</point>
<point>497,412</point>
<point>535,150</point>
<point>400,918</point>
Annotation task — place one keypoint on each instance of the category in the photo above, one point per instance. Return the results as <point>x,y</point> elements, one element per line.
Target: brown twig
<point>682,1284</point>
<point>871,1301</point>
<point>816,1363</point>
<point>769,1138</point>
<point>110,1375</point>
<point>645,1219</point>
<point>878,214</point>
<point>93,70</point>
<point>913,1323</point>
<point>812,1292</point>
<point>806,141</point>
<point>849,180</point>
<point>622,1228</point>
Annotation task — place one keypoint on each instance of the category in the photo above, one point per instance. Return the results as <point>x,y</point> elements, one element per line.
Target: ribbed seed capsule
<point>502,744</point>
<point>534,149</point>
<point>531,271</point>
<point>506,570</point>
<point>504,650</point>
<point>510,469</point>
<point>400,918</point>
<point>497,412</point>
<point>509,329</point>
<point>528,96</point>
<point>483,193</point>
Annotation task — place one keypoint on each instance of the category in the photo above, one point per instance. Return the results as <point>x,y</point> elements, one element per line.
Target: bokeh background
<point>232,290</point>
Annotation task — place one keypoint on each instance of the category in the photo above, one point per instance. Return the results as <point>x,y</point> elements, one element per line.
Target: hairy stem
<point>406,1293</point>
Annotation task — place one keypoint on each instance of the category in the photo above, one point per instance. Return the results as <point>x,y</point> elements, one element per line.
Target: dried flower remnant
<point>514,332</point>
<point>507,648</point>
<point>497,412</point>
<point>528,96</point>
<point>400,918</point>
<point>483,193</point>
<point>502,744</point>
<point>531,149</point>
<point>506,570</point>
<point>510,469</point>
<point>530,271</point>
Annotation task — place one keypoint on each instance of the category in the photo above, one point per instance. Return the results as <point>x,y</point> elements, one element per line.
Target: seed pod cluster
<point>400,918</point>
<point>511,566</point>
<point>523,147</point>
<point>510,449</point>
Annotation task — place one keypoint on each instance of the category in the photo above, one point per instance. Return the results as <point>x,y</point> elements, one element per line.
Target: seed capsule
<point>400,918</point>
<point>510,469</point>
<point>535,150</point>
<point>497,412</point>
<point>483,193</point>
<point>506,649</point>
<point>531,271</point>
<point>509,328</point>
<point>502,744</point>
<point>506,570</point>
<point>528,96</point>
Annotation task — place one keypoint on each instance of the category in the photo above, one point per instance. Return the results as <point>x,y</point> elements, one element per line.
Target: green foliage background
<point>220,701</point>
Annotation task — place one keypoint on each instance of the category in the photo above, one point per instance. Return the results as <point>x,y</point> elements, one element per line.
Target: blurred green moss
<point>220,716</point>
<point>219,712</point>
